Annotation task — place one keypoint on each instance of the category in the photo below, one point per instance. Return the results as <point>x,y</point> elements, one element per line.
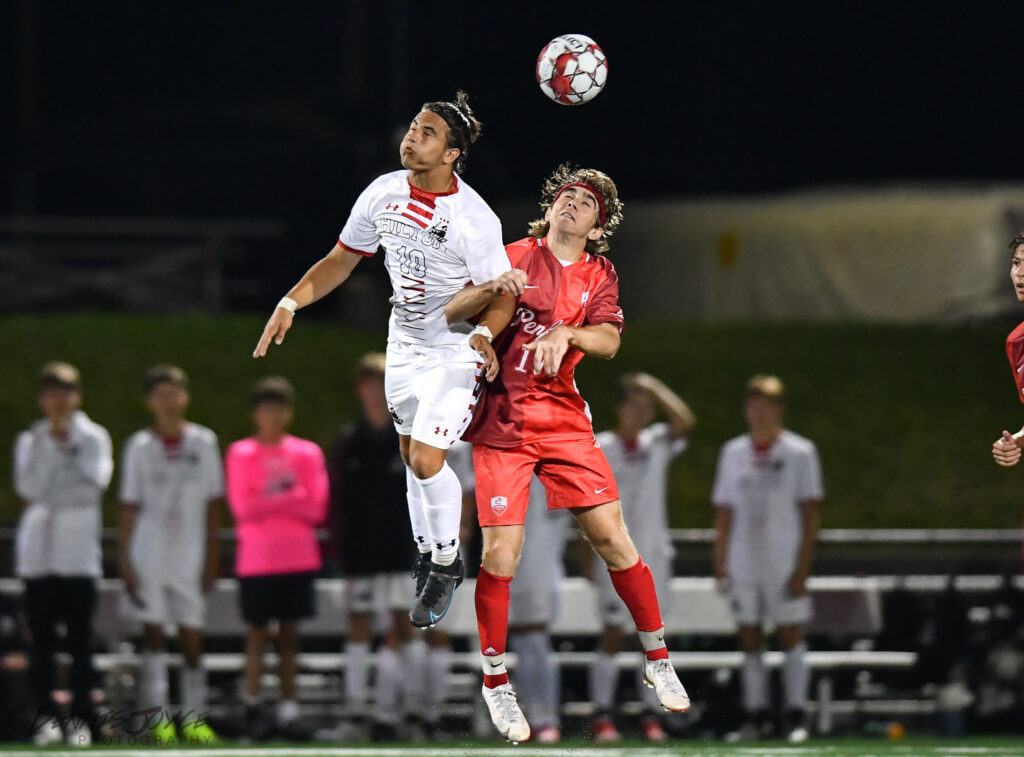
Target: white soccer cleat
<point>79,736</point>
<point>505,713</point>
<point>661,676</point>
<point>48,733</point>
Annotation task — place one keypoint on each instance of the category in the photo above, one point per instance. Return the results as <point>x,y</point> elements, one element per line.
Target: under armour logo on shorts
<point>499,505</point>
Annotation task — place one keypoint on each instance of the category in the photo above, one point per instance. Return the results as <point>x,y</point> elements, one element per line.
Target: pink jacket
<point>278,495</point>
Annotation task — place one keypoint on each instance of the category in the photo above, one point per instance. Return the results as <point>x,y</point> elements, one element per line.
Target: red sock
<point>636,588</point>
<point>492,597</point>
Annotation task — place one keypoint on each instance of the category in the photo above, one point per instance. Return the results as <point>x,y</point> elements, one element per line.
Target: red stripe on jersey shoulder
<point>415,220</point>
<point>364,253</point>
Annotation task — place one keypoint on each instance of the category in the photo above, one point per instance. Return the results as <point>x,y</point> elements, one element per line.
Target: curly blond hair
<point>564,175</point>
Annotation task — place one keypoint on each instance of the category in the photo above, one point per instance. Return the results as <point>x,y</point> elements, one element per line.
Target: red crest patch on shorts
<point>499,505</point>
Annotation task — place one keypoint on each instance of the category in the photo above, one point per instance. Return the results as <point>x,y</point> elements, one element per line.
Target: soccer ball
<point>572,69</point>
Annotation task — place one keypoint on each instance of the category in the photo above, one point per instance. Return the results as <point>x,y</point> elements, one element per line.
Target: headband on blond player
<point>602,212</point>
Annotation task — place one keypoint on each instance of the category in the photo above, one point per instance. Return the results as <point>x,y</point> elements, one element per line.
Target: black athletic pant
<point>48,601</point>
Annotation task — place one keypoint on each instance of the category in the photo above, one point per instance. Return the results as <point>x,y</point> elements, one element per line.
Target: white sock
<point>388,686</point>
<point>795,677</point>
<point>604,675</point>
<point>755,682</point>
<point>287,711</point>
<point>442,506</point>
<point>193,691</point>
<point>153,688</point>
<point>439,661</point>
<point>414,497</point>
<point>414,675</point>
<point>537,676</point>
<point>357,675</point>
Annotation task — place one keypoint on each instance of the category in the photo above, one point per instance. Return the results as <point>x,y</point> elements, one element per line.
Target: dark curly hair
<point>1017,241</point>
<point>564,175</point>
<point>463,127</point>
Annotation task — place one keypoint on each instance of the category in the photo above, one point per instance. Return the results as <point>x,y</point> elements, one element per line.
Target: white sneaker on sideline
<point>661,676</point>
<point>505,713</point>
<point>49,733</point>
<point>79,736</point>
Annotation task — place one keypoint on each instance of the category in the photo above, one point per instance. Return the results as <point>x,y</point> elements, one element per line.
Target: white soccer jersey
<point>765,488</point>
<point>62,481</point>
<point>641,473</point>
<point>434,244</point>
<point>172,484</point>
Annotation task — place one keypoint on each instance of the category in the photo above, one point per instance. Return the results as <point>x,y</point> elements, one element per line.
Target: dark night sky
<point>285,110</point>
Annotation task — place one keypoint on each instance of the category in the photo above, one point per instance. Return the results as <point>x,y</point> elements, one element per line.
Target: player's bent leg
<point>634,583</point>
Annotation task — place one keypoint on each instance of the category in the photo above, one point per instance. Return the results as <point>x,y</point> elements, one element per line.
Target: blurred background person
<point>767,493</point>
<point>172,484</point>
<point>62,466</point>
<point>639,452</point>
<point>277,488</point>
<point>533,606</point>
<point>368,502</point>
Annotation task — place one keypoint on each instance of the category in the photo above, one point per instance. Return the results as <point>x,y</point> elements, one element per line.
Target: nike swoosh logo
<point>494,664</point>
<point>598,491</point>
<point>1021,368</point>
<point>531,286</point>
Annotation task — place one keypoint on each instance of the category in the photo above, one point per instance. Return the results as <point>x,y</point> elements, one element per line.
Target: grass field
<point>903,416</point>
<point>980,746</point>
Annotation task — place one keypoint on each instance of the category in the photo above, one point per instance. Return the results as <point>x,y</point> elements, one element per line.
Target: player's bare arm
<point>473,299</point>
<point>495,318</point>
<point>681,419</point>
<point>324,276</point>
<point>124,538</point>
<point>723,529</point>
<point>211,570</point>
<point>601,340</point>
<point>797,585</point>
<point>1007,448</point>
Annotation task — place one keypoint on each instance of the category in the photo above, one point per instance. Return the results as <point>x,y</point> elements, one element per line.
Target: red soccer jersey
<point>520,407</point>
<point>1015,353</point>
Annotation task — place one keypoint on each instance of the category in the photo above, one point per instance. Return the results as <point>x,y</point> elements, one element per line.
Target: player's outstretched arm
<point>473,299</point>
<point>601,340</point>
<point>680,417</point>
<point>1007,448</point>
<point>325,275</point>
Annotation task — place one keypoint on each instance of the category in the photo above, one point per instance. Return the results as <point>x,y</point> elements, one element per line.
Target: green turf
<point>904,416</point>
<point>987,746</point>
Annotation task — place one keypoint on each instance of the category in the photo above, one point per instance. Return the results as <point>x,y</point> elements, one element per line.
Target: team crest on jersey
<point>499,505</point>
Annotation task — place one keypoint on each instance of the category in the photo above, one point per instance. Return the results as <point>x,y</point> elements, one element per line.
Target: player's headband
<point>453,116</point>
<point>602,213</point>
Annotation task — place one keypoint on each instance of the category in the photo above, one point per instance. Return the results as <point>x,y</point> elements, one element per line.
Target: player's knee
<point>426,463</point>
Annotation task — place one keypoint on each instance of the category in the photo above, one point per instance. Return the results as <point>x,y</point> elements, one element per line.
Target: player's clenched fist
<point>278,325</point>
<point>490,363</point>
<point>1005,450</point>
<point>511,282</point>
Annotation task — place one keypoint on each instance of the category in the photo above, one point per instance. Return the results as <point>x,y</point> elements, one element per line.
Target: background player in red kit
<point>1007,448</point>
<point>533,420</point>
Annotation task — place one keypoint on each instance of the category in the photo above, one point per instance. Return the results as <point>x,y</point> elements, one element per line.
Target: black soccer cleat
<point>432,603</point>
<point>420,571</point>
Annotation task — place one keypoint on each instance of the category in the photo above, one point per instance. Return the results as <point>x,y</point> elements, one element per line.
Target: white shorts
<point>380,593</point>
<point>752,604</point>
<point>169,601</point>
<point>432,391</point>
<point>611,608</point>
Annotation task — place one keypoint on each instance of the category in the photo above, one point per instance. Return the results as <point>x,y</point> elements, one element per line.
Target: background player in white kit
<point>438,235</point>
<point>767,494</point>
<point>172,484</point>
<point>639,452</point>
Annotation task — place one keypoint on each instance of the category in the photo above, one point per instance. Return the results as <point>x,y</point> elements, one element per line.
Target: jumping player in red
<point>1007,448</point>
<point>533,420</point>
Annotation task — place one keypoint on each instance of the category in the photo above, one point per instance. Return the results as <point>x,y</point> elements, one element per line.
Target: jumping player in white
<point>767,494</point>
<point>640,453</point>
<point>438,235</point>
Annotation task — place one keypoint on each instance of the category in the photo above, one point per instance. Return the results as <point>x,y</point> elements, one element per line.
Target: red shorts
<point>574,474</point>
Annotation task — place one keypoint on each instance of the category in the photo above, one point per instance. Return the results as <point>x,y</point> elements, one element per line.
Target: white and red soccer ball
<point>572,69</point>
